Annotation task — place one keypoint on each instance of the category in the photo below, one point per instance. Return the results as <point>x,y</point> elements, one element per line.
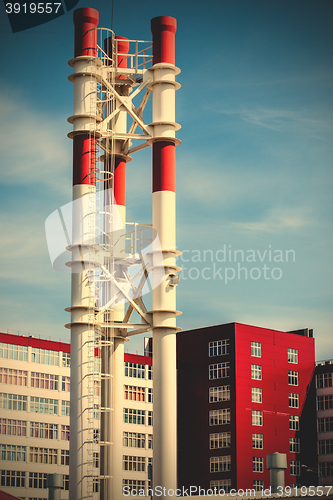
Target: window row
<point>325,424</point>
<point>140,417</point>
<point>135,485</point>
<point>218,348</point>
<point>219,440</point>
<point>220,464</point>
<point>324,380</point>
<point>137,440</point>
<point>37,405</point>
<point>42,430</point>
<point>219,370</point>
<point>221,393</point>
<point>325,447</point>
<point>136,370</point>
<point>219,417</point>
<point>137,464</point>
<point>133,393</point>
<point>36,480</point>
<point>42,356</point>
<point>256,352</point>
<point>326,469</point>
<point>258,466</point>
<point>16,453</point>
<point>325,402</point>
<point>221,485</point>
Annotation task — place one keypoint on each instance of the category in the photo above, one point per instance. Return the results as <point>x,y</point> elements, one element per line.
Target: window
<point>150,418</point>
<point>217,394</point>
<point>16,352</point>
<point>134,484</point>
<point>96,436</point>
<point>256,395</point>
<point>66,384</point>
<point>65,432</point>
<point>324,380</point>
<point>149,395</point>
<point>13,478</point>
<point>292,356</point>
<point>325,424</point>
<point>292,377</point>
<point>326,469</point>
<point>258,464</point>
<point>44,405</point>
<point>44,381</point>
<point>13,402</point>
<point>134,440</point>
<point>220,464</point>
<point>134,416</point>
<point>325,446</point>
<point>150,372</point>
<point>43,430</point>
<point>134,463</point>
<point>134,393</point>
<point>219,440</point>
<point>12,453</point>
<point>43,455</point>
<point>293,423</point>
<point>11,427</point>
<point>258,485</point>
<point>220,370</point>
<point>64,455</point>
<point>65,408</point>
<point>95,485</point>
<point>325,402</point>
<point>37,480</point>
<point>96,460</point>
<point>256,417</point>
<point>66,359</point>
<point>258,441</point>
<point>44,356</point>
<point>219,348</point>
<point>222,485</point>
<point>219,417</point>
<point>97,387</point>
<point>13,377</point>
<point>150,441</point>
<point>294,445</point>
<point>293,400</point>
<point>65,482</point>
<point>256,349</point>
<point>256,373</point>
<point>294,467</point>
<point>134,370</point>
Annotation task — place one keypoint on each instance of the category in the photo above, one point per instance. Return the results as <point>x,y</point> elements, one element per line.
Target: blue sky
<point>254,170</point>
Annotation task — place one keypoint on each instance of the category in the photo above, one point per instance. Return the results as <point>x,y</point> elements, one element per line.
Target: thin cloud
<point>279,220</point>
<point>34,147</point>
<point>283,120</point>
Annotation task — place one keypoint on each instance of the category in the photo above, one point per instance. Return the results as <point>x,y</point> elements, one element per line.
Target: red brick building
<point>244,392</point>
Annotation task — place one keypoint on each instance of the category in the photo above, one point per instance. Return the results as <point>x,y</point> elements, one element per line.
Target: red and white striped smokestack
<point>82,300</point>
<point>164,222</point>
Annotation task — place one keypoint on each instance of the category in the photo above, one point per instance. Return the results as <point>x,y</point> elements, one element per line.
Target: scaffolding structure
<point>113,262</point>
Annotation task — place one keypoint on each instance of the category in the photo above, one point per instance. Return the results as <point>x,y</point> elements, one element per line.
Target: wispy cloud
<point>279,219</point>
<point>34,147</point>
<point>283,119</point>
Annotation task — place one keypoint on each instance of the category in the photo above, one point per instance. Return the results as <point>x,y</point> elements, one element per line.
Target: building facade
<point>34,417</point>
<point>244,392</point>
<point>324,389</point>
